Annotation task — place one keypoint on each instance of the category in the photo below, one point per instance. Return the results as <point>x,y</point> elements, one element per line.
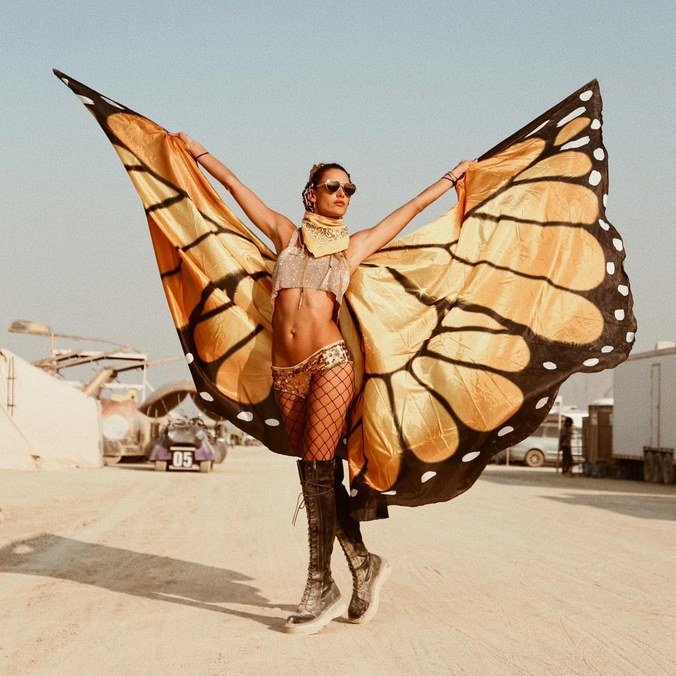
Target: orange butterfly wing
<point>461,332</point>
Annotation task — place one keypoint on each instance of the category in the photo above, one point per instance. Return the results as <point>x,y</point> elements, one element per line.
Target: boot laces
<point>300,500</point>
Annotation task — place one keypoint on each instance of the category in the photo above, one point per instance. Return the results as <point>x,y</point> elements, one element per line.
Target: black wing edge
<point>93,100</point>
<point>546,116</point>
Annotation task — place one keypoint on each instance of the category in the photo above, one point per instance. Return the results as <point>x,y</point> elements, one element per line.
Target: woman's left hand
<point>459,169</point>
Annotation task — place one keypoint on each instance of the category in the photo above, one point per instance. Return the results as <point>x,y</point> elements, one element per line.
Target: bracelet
<point>450,177</point>
<point>200,155</point>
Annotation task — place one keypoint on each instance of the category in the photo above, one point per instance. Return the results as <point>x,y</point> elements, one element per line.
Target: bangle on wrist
<point>200,155</point>
<point>449,176</point>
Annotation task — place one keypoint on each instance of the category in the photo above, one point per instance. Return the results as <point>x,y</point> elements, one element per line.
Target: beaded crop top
<point>297,268</point>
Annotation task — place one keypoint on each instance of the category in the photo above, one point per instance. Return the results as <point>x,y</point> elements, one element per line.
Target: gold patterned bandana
<point>323,236</point>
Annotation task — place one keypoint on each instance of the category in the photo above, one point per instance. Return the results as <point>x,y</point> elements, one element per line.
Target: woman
<point>312,369</point>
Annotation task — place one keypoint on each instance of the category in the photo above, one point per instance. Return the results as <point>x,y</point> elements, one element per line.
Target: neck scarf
<point>323,236</point>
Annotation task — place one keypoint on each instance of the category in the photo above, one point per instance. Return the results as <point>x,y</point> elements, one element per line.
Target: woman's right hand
<point>194,148</point>
<point>273,225</point>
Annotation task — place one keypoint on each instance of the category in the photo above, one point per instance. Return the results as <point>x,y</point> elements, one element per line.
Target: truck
<point>644,424</point>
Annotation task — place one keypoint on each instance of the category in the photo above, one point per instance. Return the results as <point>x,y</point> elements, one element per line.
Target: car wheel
<point>220,454</point>
<point>534,458</point>
<point>205,466</point>
<point>160,465</point>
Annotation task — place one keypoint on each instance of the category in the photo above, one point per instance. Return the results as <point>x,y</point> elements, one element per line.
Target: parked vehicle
<point>542,447</point>
<point>185,444</point>
<point>644,427</point>
<point>125,430</point>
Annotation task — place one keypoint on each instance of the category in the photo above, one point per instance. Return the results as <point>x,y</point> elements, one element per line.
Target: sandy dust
<point>127,571</point>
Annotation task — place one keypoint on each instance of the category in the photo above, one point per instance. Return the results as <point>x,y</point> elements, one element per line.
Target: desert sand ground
<point>124,570</point>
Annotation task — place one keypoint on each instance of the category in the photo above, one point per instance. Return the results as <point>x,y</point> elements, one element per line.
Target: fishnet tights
<point>316,422</point>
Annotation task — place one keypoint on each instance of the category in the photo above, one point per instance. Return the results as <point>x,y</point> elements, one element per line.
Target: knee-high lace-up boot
<point>369,571</point>
<point>321,600</point>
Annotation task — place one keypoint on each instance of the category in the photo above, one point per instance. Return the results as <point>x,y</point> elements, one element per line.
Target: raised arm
<point>367,242</point>
<point>272,224</point>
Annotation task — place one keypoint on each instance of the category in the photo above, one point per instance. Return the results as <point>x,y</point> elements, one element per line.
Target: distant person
<point>565,446</point>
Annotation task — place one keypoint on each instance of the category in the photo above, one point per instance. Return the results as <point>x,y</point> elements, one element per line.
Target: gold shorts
<point>297,379</point>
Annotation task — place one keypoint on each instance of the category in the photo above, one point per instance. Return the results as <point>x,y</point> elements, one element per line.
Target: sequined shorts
<point>297,379</point>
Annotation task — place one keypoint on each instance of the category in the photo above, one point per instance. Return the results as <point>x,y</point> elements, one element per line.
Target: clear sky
<point>396,91</point>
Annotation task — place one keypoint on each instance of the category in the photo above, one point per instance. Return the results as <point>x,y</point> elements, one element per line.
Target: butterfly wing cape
<point>461,332</point>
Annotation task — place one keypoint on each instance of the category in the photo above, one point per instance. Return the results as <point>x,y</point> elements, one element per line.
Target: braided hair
<point>315,178</point>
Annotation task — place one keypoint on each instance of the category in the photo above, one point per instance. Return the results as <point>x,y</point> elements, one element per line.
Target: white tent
<point>44,423</point>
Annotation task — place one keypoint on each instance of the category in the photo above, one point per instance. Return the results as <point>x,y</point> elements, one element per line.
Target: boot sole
<point>385,570</point>
<point>336,610</point>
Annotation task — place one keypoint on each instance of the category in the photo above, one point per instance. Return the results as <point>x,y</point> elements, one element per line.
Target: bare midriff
<point>297,332</point>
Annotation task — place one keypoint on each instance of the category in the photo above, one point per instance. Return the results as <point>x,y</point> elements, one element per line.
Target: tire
<point>220,453</point>
<point>620,471</point>
<point>668,468</point>
<point>205,466</point>
<point>648,467</point>
<point>160,465</point>
<point>534,458</point>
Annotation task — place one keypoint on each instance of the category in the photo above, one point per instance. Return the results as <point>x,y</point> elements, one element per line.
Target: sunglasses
<point>333,184</point>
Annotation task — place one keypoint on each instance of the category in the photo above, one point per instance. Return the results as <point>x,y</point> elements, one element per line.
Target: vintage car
<point>183,441</point>
<point>542,447</point>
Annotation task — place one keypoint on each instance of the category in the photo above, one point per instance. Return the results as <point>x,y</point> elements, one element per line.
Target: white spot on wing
<point>85,99</point>
<point>619,315</point>
<point>607,348</point>
<point>353,492</point>
<point>271,422</point>
<point>617,243</point>
<point>550,365</point>
<point>603,224</point>
<point>599,154</point>
<point>586,95</point>
<point>246,416</point>
<point>590,362</point>
<point>577,143</point>
<point>468,457</point>
<point>623,289</point>
<point>64,80</point>
<point>113,103</point>
<point>504,430</point>
<point>610,268</point>
<point>389,492</point>
<point>596,124</point>
<point>189,358</point>
<point>630,336</point>
<point>542,402</point>
<point>206,396</point>
<point>427,476</point>
<point>571,116</point>
<point>595,177</point>
<point>537,129</point>
<point>605,200</point>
